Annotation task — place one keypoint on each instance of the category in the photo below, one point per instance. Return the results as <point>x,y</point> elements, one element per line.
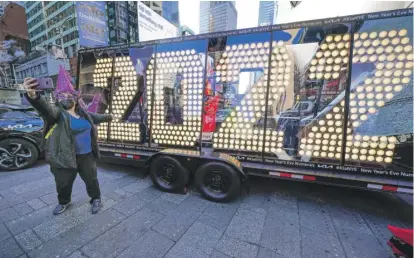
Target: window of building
<point>35,21</point>
<point>55,7</point>
<point>44,68</point>
<point>34,11</point>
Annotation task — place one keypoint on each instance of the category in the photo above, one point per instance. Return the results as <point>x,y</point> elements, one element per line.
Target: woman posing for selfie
<point>70,139</point>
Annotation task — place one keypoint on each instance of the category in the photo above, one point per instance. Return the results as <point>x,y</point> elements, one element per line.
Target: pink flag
<point>64,84</point>
<point>94,105</point>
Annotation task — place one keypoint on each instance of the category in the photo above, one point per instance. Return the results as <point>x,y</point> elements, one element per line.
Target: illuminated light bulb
<point>398,88</point>
<point>364,35</point>
<point>405,41</point>
<point>392,139</point>
<point>391,146</point>
<point>405,80</point>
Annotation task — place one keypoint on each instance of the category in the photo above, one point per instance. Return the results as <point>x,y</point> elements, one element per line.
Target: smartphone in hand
<point>44,83</point>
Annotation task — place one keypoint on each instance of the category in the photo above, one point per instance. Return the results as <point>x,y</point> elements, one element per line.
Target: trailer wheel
<point>168,174</point>
<point>217,181</point>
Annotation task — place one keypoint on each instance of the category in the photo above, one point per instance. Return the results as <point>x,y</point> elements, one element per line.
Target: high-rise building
<point>13,27</point>
<point>51,22</point>
<point>67,25</point>
<point>123,18</point>
<point>171,13</point>
<point>217,16</point>
<point>267,12</point>
<point>122,22</point>
<point>156,6</point>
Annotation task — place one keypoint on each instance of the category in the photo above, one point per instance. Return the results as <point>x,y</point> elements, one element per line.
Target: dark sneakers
<point>96,205</point>
<point>60,208</point>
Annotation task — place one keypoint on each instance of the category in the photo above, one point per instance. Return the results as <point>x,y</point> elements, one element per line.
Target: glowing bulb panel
<point>123,93</point>
<point>177,95</point>
<point>102,77</point>
<point>377,101</point>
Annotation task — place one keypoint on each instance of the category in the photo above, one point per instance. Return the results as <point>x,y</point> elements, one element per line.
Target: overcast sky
<point>247,13</point>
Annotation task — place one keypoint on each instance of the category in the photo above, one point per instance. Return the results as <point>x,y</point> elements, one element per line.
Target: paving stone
<point>4,233</point>
<point>76,237</point>
<point>281,236</point>
<point>123,235</point>
<point>36,204</point>
<point>311,206</point>
<point>236,247</point>
<point>111,175</point>
<point>8,214</point>
<point>378,226</point>
<point>219,215</point>
<point>318,245</point>
<point>285,214</point>
<point>150,194</point>
<point>23,208</point>
<point>253,208</point>
<point>49,198</point>
<point>9,248</point>
<point>316,218</point>
<point>130,205</point>
<point>207,220</point>
<point>361,245</point>
<point>162,206</point>
<point>175,223</point>
<point>77,254</point>
<point>344,218</point>
<point>138,186</point>
<point>246,225</point>
<point>150,245</point>
<point>68,220</point>
<point>284,199</point>
<point>30,220</point>
<point>174,197</point>
<point>4,204</point>
<point>266,253</point>
<point>118,195</point>
<point>28,240</point>
<point>119,184</point>
<point>257,200</point>
<point>15,178</point>
<point>222,211</point>
<point>217,254</point>
<point>17,199</point>
<point>33,185</point>
<point>198,241</point>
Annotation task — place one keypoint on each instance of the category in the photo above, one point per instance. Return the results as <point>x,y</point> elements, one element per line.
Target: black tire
<point>17,153</point>
<point>168,174</point>
<point>217,181</point>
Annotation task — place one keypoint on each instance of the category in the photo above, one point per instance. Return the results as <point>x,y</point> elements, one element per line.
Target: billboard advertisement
<point>152,26</point>
<point>93,30</point>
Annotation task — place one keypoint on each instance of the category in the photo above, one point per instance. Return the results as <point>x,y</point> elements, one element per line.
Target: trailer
<point>323,101</point>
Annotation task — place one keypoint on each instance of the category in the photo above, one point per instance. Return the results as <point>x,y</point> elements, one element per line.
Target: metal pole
<point>152,97</point>
<point>269,64</point>
<point>347,93</point>
<point>61,42</point>
<point>205,78</point>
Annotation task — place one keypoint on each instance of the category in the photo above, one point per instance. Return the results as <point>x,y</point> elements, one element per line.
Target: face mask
<point>67,103</point>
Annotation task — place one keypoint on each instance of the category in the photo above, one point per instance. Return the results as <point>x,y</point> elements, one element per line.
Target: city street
<point>276,219</point>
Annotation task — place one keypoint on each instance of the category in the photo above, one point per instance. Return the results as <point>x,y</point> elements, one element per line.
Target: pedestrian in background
<point>70,141</point>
